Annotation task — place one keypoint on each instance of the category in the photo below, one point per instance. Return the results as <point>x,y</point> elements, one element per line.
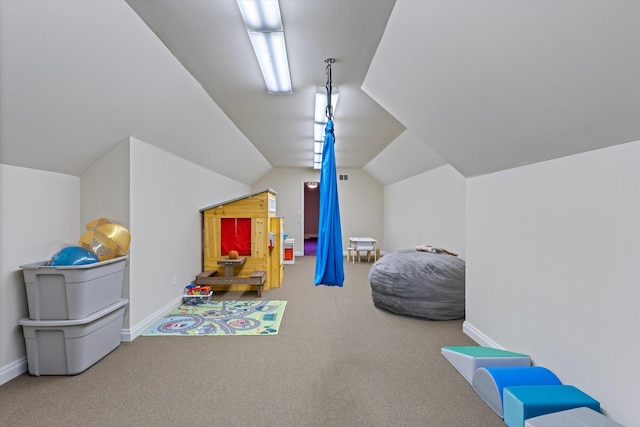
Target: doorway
<point>311,212</point>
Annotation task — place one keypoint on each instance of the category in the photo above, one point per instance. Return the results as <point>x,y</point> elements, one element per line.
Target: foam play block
<point>490,382</point>
<point>467,359</point>
<point>576,417</point>
<point>527,401</point>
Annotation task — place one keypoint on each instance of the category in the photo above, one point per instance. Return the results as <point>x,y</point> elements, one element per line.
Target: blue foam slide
<point>490,382</point>
<point>528,401</point>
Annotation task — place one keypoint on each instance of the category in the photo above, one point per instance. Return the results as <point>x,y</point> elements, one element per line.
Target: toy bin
<point>196,294</point>
<point>69,347</point>
<point>72,292</point>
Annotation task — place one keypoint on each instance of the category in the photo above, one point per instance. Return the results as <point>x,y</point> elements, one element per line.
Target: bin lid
<point>43,264</point>
<point>73,322</point>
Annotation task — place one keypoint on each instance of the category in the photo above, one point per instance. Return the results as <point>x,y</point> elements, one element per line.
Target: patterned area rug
<point>222,318</point>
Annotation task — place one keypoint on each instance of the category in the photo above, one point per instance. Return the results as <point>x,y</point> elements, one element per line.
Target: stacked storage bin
<point>75,315</point>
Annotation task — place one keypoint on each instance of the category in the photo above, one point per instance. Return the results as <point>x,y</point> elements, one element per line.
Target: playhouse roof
<point>270,190</point>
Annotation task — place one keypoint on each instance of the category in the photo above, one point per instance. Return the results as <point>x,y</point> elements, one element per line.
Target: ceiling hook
<point>329,109</point>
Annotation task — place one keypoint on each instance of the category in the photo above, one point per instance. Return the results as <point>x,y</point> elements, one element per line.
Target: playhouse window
<point>235,235</point>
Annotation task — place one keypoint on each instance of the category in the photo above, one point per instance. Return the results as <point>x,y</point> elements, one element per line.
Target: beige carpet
<point>336,361</point>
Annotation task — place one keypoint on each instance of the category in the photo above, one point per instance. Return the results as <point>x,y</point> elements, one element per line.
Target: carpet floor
<point>310,246</point>
<point>336,361</point>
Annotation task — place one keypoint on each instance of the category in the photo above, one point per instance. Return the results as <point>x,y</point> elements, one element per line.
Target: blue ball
<point>73,255</point>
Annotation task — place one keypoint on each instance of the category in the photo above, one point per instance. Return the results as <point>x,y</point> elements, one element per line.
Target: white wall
<point>553,270</point>
<point>155,193</point>
<point>104,193</point>
<point>166,195</point>
<point>104,187</point>
<point>39,215</point>
<point>360,200</point>
<point>428,208</point>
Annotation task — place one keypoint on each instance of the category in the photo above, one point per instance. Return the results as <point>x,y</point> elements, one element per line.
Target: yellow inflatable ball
<point>97,222</point>
<point>99,244</point>
<point>106,239</point>
<point>118,234</point>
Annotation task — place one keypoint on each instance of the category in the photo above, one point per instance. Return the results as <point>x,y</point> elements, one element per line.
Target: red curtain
<point>235,235</point>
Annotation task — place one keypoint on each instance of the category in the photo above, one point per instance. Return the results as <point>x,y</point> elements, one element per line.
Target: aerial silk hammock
<point>329,258</point>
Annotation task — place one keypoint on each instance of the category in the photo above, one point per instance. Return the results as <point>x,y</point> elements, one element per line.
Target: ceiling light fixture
<point>264,25</point>
<point>312,185</point>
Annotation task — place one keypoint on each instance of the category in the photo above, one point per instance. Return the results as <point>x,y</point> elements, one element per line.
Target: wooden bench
<point>260,276</point>
<point>257,278</point>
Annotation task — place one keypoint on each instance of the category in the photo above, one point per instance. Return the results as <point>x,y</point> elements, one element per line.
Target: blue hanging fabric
<point>329,258</point>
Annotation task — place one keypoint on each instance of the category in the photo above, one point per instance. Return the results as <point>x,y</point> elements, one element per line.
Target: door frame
<point>303,183</point>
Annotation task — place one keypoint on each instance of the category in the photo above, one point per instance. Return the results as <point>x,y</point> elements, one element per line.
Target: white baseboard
<point>478,336</point>
<point>131,334</point>
<point>13,370</point>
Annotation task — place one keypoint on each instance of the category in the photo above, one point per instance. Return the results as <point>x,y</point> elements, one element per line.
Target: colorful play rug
<point>222,318</point>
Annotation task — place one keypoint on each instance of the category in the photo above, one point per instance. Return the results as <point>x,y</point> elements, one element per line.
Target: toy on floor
<point>490,382</point>
<point>197,294</point>
<point>576,417</point>
<point>520,393</point>
<point>467,359</point>
<point>524,402</point>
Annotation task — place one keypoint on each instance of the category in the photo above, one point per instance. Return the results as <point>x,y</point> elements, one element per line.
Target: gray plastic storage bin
<point>72,292</point>
<point>69,347</point>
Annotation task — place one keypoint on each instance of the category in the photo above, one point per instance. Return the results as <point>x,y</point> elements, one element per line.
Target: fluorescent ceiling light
<point>261,16</point>
<point>264,24</point>
<point>317,154</point>
<point>318,131</point>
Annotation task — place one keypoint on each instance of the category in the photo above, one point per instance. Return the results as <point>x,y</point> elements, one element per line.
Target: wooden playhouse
<point>249,226</point>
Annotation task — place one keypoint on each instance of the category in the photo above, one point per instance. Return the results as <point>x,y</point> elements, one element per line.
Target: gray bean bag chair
<point>419,284</point>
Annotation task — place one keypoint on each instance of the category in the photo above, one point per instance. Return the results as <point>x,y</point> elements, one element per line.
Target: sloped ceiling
<point>209,38</point>
<point>492,85</point>
<point>406,156</point>
<point>79,77</point>
<point>483,86</point>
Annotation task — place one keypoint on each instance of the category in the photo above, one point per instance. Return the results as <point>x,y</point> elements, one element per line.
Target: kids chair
<point>368,248</point>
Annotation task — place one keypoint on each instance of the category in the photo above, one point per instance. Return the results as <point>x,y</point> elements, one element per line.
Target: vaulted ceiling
<point>493,85</point>
<point>483,86</point>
